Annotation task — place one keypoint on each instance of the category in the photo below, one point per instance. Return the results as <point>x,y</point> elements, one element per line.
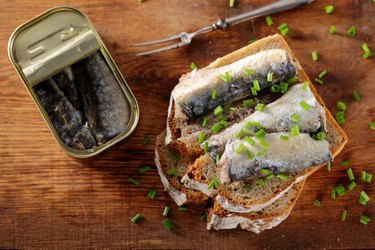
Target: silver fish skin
<point>193,93</point>
<point>276,117</point>
<point>282,156</point>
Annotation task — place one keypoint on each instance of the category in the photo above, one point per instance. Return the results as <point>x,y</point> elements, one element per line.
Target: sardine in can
<point>74,81</point>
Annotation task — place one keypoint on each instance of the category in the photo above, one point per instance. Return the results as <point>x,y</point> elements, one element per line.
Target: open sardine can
<point>74,81</point>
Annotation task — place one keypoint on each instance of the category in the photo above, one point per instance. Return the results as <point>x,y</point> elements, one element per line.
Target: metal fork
<point>185,38</point>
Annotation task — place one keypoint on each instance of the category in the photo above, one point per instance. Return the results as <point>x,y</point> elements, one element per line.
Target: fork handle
<point>263,11</point>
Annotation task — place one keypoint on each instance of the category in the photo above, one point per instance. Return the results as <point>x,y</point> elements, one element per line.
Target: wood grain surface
<point>49,200</point>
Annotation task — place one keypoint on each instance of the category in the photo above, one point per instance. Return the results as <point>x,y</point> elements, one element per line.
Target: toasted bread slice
<point>267,218</point>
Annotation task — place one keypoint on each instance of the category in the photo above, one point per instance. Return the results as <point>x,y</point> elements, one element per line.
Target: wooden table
<point>49,200</point>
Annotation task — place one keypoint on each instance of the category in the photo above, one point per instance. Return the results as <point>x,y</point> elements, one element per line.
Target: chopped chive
<point>317,80</point>
<point>368,178</point>
<point>341,106</point>
<point>248,154</point>
<point>182,208</point>
<point>216,128</point>
<point>363,176</point>
<point>253,91</point>
<point>305,85</point>
<point>248,102</point>
<point>329,166</point>
<point>372,125</point>
<point>260,133</point>
<point>263,143</point>
<point>233,109</point>
<point>249,71</point>
<point>352,185</point>
<point>152,193</point>
<point>248,125</point>
<point>213,183</point>
<point>363,198</point>
<point>269,20</point>
<point>248,187</point>
<point>217,158</point>
<point>166,211</point>
<point>269,76</point>
<point>333,193</point>
<point>224,123</point>
<point>249,140</point>
<point>332,29</point>
<point>239,148</point>
<point>193,66</point>
<point>350,174</point>
<point>167,224</point>
<point>204,122</point>
<point>270,176</point>
<point>256,85</point>
<point>172,171</point>
<point>314,56</point>
<point>322,74</point>
<point>203,216</point>
<point>295,118</point>
<point>144,169</point>
<point>213,94</point>
<point>364,219</point>
<point>320,136</point>
<point>329,9</point>
<point>201,137</point>
<point>294,130</point>
<point>205,147</point>
<point>174,156</point>
<point>260,106</point>
<point>146,139</point>
<point>225,77</point>
<point>356,96</point>
<point>304,105</point>
<point>218,110</point>
<point>265,171</point>
<point>284,31</point>
<point>231,3</point>
<point>340,117</point>
<point>316,203</point>
<point>343,215</point>
<point>365,48</point>
<point>133,181</point>
<point>283,86</point>
<point>261,153</point>
<point>239,134</point>
<point>284,137</point>
<point>344,163</point>
<point>292,80</point>
<point>136,218</point>
<point>340,190</point>
<point>352,31</point>
<point>282,177</point>
<point>366,55</point>
<point>274,88</point>
<point>251,41</point>
<point>260,182</point>
<point>282,26</point>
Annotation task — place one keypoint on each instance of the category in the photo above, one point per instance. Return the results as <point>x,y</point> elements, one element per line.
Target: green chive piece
<point>284,31</point>
<point>239,148</point>
<point>133,181</point>
<point>260,134</point>
<point>182,208</point>
<point>344,163</point>
<point>305,85</point>
<point>204,122</point>
<point>248,187</point>
<point>282,26</point>
<point>233,109</point>
<point>231,3</point>
<point>260,106</point>
<point>283,86</point>
<point>218,110</point>
<point>167,224</point>
<point>372,125</point>
<point>263,143</point>
<point>332,29</point>
<point>322,74</point>
<point>225,77</point>
<point>256,85</point>
<point>368,178</point>
<point>363,176</point>
<point>205,147</point>
<point>316,203</point>
<point>249,71</point>
<point>213,94</point>
<point>269,20</point>
<point>294,130</point>
<point>341,106</point>
<point>152,193</point>
<point>253,91</point>
<point>217,158</point>
<point>249,140</point>
<point>248,102</point>
<point>213,183</point>
<point>352,31</point>
<point>350,174</point>
<point>172,171</point>
<point>292,80</point>
<point>295,118</point>
<point>270,176</point>
<point>260,182</point>
<point>216,128</point>
<point>366,55</point>
<point>329,166</point>
<point>333,194</point>
<point>275,88</point>
<point>329,9</point>
<point>343,215</point>
<point>352,185</point>
<point>364,219</point>
<point>363,198</point>
<point>260,153</point>
<point>174,156</point>
<point>320,136</point>
<point>224,123</point>
<point>365,48</point>
<point>282,176</point>
<point>166,211</point>
<point>269,76</point>
<point>251,41</point>
<point>284,137</point>
<point>203,216</point>
<point>136,218</point>
<point>356,96</point>
<point>340,117</point>
<point>193,66</point>
<point>146,139</point>
<point>248,125</point>
<point>248,154</point>
<point>340,190</point>
<point>317,80</point>
<point>201,137</point>
<point>314,56</point>
<point>239,134</point>
<point>304,105</point>
<point>144,169</point>
<point>265,171</point>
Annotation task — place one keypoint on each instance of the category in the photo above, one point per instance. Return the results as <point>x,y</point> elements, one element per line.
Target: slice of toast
<point>267,218</point>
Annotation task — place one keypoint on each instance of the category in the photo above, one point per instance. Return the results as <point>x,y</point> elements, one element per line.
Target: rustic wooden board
<point>50,200</point>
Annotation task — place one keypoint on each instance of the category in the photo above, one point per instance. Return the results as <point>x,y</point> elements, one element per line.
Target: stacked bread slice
<point>196,139</point>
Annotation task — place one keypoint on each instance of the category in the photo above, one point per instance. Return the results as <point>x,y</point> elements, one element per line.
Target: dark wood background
<point>49,200</point>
